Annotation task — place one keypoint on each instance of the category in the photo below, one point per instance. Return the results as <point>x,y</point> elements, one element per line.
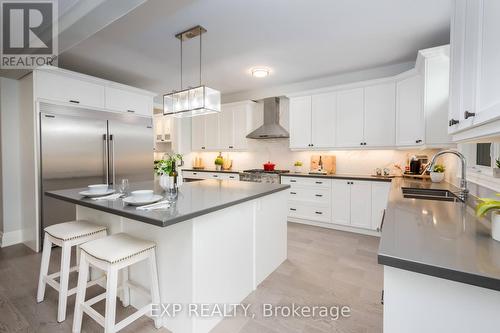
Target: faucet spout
<point>463,179</point>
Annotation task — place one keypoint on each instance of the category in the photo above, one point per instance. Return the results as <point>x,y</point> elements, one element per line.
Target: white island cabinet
<point>214,246</point>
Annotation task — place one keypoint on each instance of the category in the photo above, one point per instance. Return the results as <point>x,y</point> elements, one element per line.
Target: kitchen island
<point>214,245</point>
<point>441,266</point>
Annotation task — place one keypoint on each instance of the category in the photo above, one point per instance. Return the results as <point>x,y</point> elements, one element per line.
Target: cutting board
<point>329,163</point>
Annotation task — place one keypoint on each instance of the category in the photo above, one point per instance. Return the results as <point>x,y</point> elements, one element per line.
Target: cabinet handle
<point>131,111</point>
<point>319,182</point>
<point>215,176</point>
<point>364,143</point>
<point>231,147</point>
<point>293,181</point>
<point>202,147</point>
<point>382,297</point>
<point>231,177</point>
<point>319,213</point>
<point>453,122</point>
<point>319,195</point>
<point>418,141</point>
<point>468,114</point>
<point>293,209</point>
<point>195,173</point>
<point>293,192</point>
<point>74,101</point>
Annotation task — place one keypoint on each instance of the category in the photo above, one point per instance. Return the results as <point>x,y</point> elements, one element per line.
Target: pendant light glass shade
<point>195,101</point>
<point>191,102</point>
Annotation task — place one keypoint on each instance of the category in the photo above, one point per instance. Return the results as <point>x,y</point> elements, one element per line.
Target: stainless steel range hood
<point>271,128</point>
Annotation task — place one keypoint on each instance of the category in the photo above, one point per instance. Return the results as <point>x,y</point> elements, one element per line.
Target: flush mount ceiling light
<point>195,101</point>
<point>260,72</point>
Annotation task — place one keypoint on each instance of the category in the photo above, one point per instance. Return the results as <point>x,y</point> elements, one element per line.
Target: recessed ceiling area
<point>299,40</point>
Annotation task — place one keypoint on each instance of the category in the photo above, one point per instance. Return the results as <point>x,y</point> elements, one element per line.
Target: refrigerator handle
<point>106,159</point>
<point>112,158</point>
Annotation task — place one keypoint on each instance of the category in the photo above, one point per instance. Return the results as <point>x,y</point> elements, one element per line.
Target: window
<point>483,154</point>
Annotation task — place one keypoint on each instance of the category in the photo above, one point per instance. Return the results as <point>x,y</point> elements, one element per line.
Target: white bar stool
<point>112,253</point>
<point>65,235</point>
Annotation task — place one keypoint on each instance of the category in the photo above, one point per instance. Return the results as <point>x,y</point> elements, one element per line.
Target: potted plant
<point>437,173</point>
<point>166,169</point>
<point>219,162</point>
<point>298,166</point>
<point>484,206</point>
<point>496,171</point>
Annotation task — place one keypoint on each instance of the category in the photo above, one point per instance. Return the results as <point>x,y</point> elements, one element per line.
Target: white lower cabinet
<point>352,203</point>
<point>210,175</point>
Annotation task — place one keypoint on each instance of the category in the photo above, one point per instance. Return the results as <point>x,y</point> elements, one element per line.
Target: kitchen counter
<point>438,238</point>
<point>195,199</point>
<point>232,234</point>
<point>340,176</point>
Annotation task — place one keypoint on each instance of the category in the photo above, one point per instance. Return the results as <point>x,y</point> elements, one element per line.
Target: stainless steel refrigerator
<point>79,147</point>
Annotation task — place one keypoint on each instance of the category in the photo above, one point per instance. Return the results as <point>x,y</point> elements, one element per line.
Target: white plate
<point>131,201</point>
<point>89,194</point>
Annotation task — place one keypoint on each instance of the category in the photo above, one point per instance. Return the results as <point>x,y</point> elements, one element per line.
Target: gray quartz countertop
<point>339,176</point>
<point>438,238</point>
<point>195,199</point>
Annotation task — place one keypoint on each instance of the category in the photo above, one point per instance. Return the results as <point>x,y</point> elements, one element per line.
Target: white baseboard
<point>11,238</point>
<point>335,226</point>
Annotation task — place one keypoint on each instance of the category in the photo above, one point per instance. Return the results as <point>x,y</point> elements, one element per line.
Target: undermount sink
<point>429,194</point>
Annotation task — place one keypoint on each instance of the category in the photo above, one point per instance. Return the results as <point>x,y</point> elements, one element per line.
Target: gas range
<point>262,176</point>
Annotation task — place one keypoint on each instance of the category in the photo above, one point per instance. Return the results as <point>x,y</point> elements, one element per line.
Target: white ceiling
<point>298,39</point>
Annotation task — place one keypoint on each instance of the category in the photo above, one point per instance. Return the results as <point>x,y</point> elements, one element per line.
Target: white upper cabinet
<point>349,120</point>
<point>198,133</point>
<point>409,112</point>
<point>323,113</point>
<point>223,131</point>
<point>380,115</point>
<point>128,101</point>
<point>64,86</point>
<point>212,131</point>
<point>300,122</point>
<point>67,89</point>
<point>475,68</point>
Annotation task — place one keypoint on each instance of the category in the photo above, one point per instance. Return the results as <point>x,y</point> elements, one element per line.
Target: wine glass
<point>124,185</point>
<point>171,194</point>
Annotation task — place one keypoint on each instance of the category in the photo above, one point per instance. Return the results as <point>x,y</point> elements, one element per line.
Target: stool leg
<point>111,286</point>
<point>83,270</point>
<point>126,289</point>
<point>44,268</point>
<point>155,291</point>
<point>63,282</point>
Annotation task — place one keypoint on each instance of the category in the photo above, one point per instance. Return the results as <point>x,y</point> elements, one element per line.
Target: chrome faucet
<point>463,180</point>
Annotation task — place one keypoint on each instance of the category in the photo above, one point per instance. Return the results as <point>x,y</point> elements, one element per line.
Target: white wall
<point>11,149</point>
<point>348,161</point>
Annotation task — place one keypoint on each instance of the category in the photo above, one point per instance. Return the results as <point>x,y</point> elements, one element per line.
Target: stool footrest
<point>93,313</point>
<point>133,317</point>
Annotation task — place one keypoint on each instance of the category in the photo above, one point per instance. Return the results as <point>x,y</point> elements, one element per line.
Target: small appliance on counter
<point>323,165</point>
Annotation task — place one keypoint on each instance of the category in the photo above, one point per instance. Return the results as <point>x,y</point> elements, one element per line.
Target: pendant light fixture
<point>195,101</point>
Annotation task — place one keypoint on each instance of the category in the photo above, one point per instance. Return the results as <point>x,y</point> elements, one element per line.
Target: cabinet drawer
<point>128,101</point>
<point>195,175</point>
<point>68,89</point>
<point>310,194</point>
<point>307,181</point>
<point>229,176</point>
<point>309,212</point>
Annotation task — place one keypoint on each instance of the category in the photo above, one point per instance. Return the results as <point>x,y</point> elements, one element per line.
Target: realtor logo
<point>29,34</point>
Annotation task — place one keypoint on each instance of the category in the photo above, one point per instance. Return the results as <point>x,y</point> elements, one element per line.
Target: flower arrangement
<point>165,166</point>
<point>437,174</point>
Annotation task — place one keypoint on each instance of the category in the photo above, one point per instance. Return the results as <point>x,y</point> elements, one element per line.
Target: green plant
<point>165,166</point>
<point>219,161</point>
<point>485,205</point>
<point>439,168</point>
<point>497,162</point>
<point>298,164</point>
